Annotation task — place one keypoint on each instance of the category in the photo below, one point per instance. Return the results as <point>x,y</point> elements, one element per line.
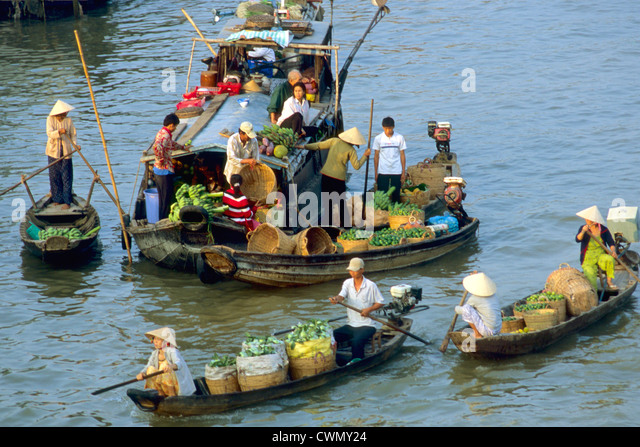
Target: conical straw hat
<point>166,333</point>
<point>352,136</point>
<point>60,107</point>
<point>592,214</point>
<point>479,284</point>
<point>251,86</point>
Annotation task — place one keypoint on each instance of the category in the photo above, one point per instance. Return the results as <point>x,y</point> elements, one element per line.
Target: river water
<point>543,100</point>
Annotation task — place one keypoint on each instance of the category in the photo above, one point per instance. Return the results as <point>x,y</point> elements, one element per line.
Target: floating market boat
<point>285,270</point>
<point>519,343</point>
<point>59,235</point>
<point>221,105</point>
<point>202,402</point>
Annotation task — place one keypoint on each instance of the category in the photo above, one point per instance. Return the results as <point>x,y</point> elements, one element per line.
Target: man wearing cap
<point>362,294</point>
<point>281,93</point>
<point>389,160</point>
<point>334,171</point>
<point>482,310</point>
<point>242,149</point>
<point>60,134</point>
<point>592,255</point>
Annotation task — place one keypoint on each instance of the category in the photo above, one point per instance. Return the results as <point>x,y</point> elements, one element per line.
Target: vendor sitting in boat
<point>177,379</point>
<point>592,254</point>
<point>363,294</point>
<point>239,209</point>
<point>453,197</point>
<point>482,310</point>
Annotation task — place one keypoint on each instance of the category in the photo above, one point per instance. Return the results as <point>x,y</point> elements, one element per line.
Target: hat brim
<point>480,285</point>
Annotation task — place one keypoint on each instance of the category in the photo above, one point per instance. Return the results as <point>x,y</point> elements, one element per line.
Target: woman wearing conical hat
<point>592,255</point>
<point>341,152</point>
<point>60,133</point>
<point>177,379</point>
<point>482,309</point>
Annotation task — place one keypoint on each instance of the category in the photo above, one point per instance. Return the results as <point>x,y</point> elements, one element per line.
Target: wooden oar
<point>386,323</point>
<point>609,252</point>
<point>144,377</point>
<point>445,342</point>
<point>366,172</point>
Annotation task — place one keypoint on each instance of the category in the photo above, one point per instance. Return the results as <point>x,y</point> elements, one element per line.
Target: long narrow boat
<point>204,403</point>
<point>173,245</point>
<point>58,248</point>
<point>512,344</point>
<point>284,270</point>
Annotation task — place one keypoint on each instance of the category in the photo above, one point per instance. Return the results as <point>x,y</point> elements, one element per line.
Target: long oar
<point>144,376</point>
<point>445,342</point>
<point>366,172</point>
<point>608,251</point>
<point>104,144</point>
<point>386,323</point>
<point>198,31</point>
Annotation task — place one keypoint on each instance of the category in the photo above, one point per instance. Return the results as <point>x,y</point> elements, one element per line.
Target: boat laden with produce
<point>234,89</point>
<point>297,367</point>
<point>535,323</point>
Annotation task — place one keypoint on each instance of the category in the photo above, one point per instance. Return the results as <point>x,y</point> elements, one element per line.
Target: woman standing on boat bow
<point>60,133</point>
<point>592,255</point>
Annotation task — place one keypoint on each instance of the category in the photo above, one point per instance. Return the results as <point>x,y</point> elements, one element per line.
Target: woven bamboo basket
<point>421,199</point>
<point>248,383</point>
<point>541,319</point>
<point>512,325</point>
<point>559,305</point>
<point>313,241</point>
<point>310,366</point>
<point>397,221</point>
<point>579,293</point>
<point>353,246</point>
<point>257,182</point>
<point>430,173</point>
<point>270,239</point>
<point>225,381</point>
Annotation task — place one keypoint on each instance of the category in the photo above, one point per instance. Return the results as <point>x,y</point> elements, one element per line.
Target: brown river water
<point>547,128</point>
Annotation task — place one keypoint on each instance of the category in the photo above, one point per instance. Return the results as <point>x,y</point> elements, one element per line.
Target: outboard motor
<point>405,298</point>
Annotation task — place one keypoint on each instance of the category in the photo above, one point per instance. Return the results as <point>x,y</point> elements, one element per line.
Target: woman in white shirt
<point>295,113</point>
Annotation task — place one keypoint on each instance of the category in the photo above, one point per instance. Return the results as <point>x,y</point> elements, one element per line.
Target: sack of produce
<point>221,375</point>
<point>450,221</point>
<point>310,349</point>
<point>576,288</point>
<point>554,300</point>
<point>354,239</point>
<point>260,365</point>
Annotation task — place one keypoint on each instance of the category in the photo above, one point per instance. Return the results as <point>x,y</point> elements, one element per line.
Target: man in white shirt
<point>389,159</point>
<point>242,149</point>
<point>362,294</point>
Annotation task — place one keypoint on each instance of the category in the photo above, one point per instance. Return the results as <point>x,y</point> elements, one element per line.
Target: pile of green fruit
<point>69,233</point>
<point>257,346</point>
<point>221,362</point>
<point>545,296</point>
<point>354,234</point>
<point>386,237</point>
<point>196,195</point>
<point>412,232</point>
<point>311,330</point>
<point>403,209</point>
<point>279,136</point>
<point>382,199</point>
<point>531,306</point>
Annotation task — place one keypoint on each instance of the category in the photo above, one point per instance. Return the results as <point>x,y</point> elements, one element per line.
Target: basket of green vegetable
<point>354,239</point>
<point>512,324</point>
<point>384,238</point>
<point>221,375</point>
<point>310,349</point>
<point>260,365</point>
<point>555,300</point>
<point>401,213</point>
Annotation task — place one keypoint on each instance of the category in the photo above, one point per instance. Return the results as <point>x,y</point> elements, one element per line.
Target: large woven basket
<point>430,173</point>
<point>537,320</point>
<point>512,325</point>
<point>579,293</point>
<point>421,198</point>
<point>313,241</point>
<point>355,245</point>
<point>257,181</point>
<point>559,305</point>
<point>270,239</point>
<point>397,221</point>
<point>222,380</point>
<point>310,366</point>
<point>248,383</point>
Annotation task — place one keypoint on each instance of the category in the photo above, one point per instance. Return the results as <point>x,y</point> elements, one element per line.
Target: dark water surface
<point>550,129</point>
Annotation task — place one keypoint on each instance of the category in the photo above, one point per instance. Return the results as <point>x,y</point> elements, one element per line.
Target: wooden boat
<point>173,245</point>
<point>512,344</point>
<point>204,403</point>
<point>47,9</point>
<point>284,270</point>
<point>60,249</point>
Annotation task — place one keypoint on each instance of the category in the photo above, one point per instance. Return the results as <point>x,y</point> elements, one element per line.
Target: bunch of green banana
<point>69,233</point>
<point>196,195</point>
<point>279,135</point>
<point>403,209</point>
<point>382,199</point>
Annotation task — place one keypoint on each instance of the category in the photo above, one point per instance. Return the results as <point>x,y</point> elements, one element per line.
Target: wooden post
<point>24,182</point>
<point>104,144</point>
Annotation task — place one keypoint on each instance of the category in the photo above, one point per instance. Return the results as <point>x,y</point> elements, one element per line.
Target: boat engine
<point>441,132</point>
<point>405,298</point>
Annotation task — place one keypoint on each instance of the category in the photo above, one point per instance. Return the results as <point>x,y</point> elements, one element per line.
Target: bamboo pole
<point>104,144</point>
<point>198,31</point>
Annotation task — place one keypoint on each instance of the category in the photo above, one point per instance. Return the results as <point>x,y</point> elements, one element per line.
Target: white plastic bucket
<point>152,202</point>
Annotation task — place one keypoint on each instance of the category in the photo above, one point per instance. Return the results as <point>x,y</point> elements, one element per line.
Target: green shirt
<point>282,92</point>
<point>339,155</point>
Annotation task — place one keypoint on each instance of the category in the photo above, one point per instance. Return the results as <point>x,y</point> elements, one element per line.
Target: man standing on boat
<point>363,294</point>
<point>242,149</point>
<point>281,93</point>
<point>61,134</point>
<point>389,161</point>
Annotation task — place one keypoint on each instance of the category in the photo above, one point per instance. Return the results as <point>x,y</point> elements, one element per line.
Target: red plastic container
<point>233,88</point>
